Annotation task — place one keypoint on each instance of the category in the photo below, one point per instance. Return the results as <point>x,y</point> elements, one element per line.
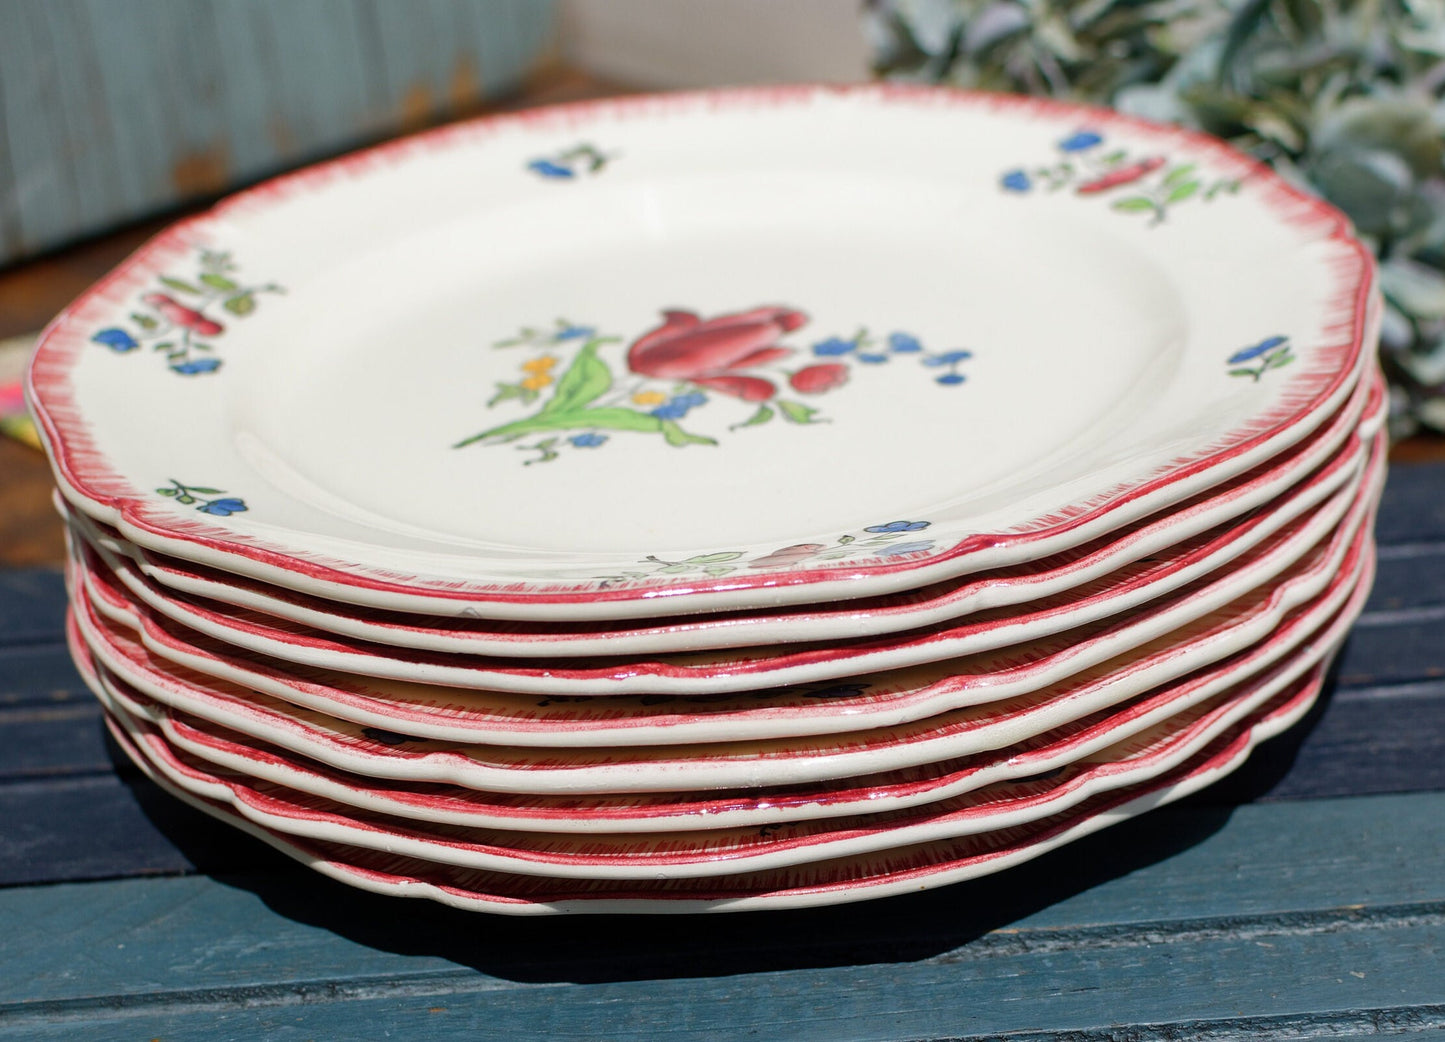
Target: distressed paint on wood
<point>1324,915</point>
<point>110,111</point>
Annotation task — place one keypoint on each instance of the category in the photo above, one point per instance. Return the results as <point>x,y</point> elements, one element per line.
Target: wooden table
<point>1305,897</point>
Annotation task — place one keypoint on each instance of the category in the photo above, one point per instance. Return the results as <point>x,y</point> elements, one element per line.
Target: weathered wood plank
<point>109,111</point>
<point>1413,510</point>
<point>1362,741</point>
<point>32,606</point>
<point>39,674</point>
<point>39,741</point>
<point>104,825</point>
<point>1191,868</point>
<point>1329,915</point>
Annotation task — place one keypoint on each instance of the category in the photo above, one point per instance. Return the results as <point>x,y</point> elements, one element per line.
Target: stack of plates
<point>720,501</point>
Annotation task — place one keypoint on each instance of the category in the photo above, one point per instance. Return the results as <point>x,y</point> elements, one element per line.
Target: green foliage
<point>798,412</point>
<point>1343,96</point>
<point>585,380</point>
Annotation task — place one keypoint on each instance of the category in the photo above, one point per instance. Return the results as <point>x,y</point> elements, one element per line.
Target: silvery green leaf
<point>1416,288</point>
<point>1410,127</point>
<point>1272,124</point>
<point>1429,41</point>
<point>1158,103</point>
<point>1397,332</point>
<point>994,23</point>
<point>934,23</point>
<point>1054,32</point>
<point>1425,363</point>
<point>1369,186</point>
<point>1431,412</point>
<point>1402,421</point>
<point>1423,368</point>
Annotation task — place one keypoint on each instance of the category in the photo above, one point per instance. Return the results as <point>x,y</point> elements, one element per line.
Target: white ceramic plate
<point>450,714</point>
<point>1167,588</point>
<point>975,785</point>
<point>715,852</point>
<point>902,870</point>
<point>852,620</point>
<point>1262,618</point>
<point>866,339</point>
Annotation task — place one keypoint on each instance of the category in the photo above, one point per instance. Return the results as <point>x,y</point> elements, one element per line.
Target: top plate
<point>703,352</point>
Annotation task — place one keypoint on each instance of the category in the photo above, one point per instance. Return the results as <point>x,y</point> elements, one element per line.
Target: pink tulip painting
<point>713,353</point>
<point>677,367</point>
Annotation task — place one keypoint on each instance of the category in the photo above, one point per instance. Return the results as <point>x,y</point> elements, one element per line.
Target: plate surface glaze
<point>1265,486</point>
<point>703,352</point>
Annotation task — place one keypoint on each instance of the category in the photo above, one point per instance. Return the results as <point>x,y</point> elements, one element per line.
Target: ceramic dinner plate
<point>1061,756</point>
<point>1247,555</point>
<point>688,353</point>
<point>885,699</point>
<point>713,852</point>
<point>1271,618</point>
<point>900,870</point>
<point>853,620</point>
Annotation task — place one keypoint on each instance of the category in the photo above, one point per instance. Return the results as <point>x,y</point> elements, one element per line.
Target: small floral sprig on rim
<point>683,364</point>
<point>212,501</point>
<point>1272,352</point>
<point>881,540</point>
<point>865,348</point>
<point>567,164</point>
<point>181,329</point>
<point>1153,184</point>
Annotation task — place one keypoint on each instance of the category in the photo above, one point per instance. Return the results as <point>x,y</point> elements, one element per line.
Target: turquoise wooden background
<point>113,109</point>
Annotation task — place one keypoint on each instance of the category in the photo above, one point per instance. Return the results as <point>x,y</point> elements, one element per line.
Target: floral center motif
<point>681,365</point>
<point>182,329</point>
<point>1137,184</point>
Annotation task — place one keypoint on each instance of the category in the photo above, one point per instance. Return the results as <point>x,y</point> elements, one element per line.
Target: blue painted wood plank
<point>105,825</point>
<point>1384,652</point>
<point>32,606</point>
<point>1411,575</point>
<point>110,111</point>
<point>39,674</point>
<point>1327,916</point>
<point>39,741</point>
<point>41,189</point>
<point>310,96</point>
<point>1359,742</point>
<point>1413,510</point>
